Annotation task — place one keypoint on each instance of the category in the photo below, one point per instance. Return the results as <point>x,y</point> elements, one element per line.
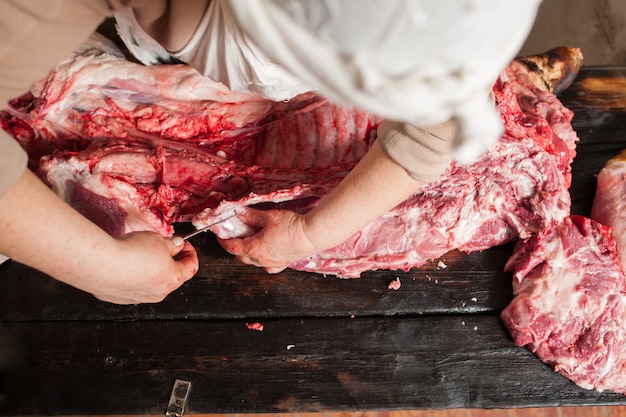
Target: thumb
<point>187,261</point>
<point>175,244</point>
<point>255,218</point>
<point>185,256</point>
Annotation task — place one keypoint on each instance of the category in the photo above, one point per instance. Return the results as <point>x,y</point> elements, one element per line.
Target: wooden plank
<point>225,288</point>
<point>596,91</point>
<point>598,99</point>
<point>588,411</point>
<point>316,364</point>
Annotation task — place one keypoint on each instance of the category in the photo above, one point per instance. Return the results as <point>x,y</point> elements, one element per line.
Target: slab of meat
<point>609,204</point>
<point>569,303</point>
<point>186,149</point>
<point>139,148</point>
<point>512,192</point>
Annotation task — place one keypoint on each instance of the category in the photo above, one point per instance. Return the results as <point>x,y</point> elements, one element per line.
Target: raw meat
<point>569,303</point>
<point>134,185</point>
<point>609,204</point>
<point>99,94</point>
<point>186,149</point>
<point>517,189</point>
<point>182,142</point>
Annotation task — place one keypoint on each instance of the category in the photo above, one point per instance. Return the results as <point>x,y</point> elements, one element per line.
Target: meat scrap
<point>255,326</point>
<point>394,284</point>
<point>569,304</point>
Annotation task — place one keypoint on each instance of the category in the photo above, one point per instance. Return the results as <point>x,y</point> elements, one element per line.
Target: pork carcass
<point>186,149</point>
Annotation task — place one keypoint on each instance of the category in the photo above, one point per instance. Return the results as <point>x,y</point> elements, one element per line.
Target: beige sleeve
<point>34,36</point>
<point>13,161</point>
<point>423,152</point>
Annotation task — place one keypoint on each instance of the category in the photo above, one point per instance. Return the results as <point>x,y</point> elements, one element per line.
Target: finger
<point>275,270</point>
<point>187,261</point>
<point>248,260</point>
<point>232,246</point>
<point>254,218</point>
<point>175,244</point>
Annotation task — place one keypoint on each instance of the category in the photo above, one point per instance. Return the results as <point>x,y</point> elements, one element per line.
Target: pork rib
<point>97,93</point>
<point>136,185</point>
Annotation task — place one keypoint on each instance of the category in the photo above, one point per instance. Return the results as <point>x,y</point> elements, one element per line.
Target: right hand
<point>147,268</point>
<point>140,267</point>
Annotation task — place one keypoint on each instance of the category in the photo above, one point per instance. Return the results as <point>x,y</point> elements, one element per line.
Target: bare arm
<point>373,187</point>
<point>38,229</point>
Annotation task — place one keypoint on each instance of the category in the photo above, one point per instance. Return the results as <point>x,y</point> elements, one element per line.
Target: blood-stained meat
<point>160,145</point>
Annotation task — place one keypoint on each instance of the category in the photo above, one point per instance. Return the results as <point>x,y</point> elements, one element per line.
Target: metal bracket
<point>178,398</point>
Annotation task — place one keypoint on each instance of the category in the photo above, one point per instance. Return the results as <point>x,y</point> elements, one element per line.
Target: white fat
<point>58,172</point>
<point>132,164</point>
<point>562,284</point>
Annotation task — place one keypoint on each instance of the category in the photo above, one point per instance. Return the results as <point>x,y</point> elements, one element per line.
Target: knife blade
<point>206,228</point>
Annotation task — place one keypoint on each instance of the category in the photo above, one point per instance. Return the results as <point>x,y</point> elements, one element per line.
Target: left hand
<point>279,241</point>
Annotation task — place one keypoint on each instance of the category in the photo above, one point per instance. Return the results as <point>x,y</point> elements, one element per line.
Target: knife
<point>205,228</point>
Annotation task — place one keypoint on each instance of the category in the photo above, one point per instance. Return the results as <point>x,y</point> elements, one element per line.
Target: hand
<point>373,187</point>
<point>280,240</point>
<point>141,267</point>
<point>147,269</point>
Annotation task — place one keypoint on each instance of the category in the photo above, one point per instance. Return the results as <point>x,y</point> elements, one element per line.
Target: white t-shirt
<point>220,51</point>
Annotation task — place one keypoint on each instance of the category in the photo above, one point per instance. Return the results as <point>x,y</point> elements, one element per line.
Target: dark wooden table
<point>327,343</point>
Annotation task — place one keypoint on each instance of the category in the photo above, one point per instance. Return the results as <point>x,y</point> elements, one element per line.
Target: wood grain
<point>527,412</point>
<point>589,411</point>
<point>460,283</point>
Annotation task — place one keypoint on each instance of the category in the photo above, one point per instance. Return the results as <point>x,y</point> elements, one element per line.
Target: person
<point>426,67</point>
